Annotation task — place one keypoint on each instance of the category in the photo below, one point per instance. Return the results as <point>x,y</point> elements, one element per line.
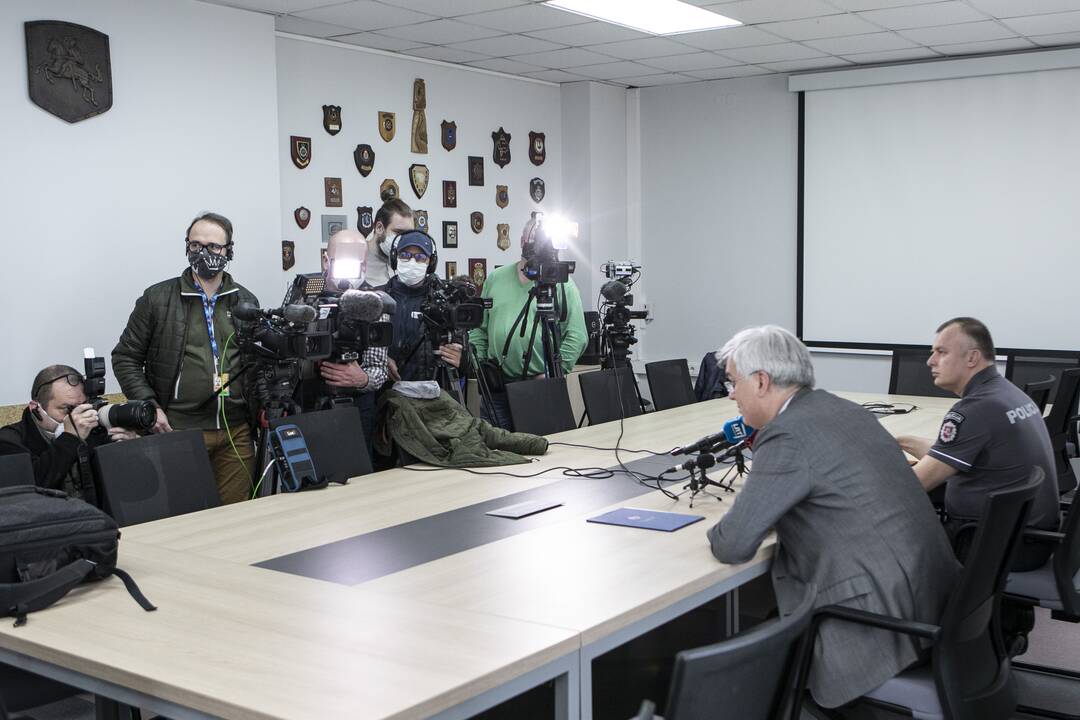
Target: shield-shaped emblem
<point>332,190</point>
<point>364,157</point>
<point>387,125</point>
<point>331,118</point>
<point>302,216</point>
<point>537,149</point>
<point>449,193</point>
<point>500,153</point>
<point>418,178</point>
<point>536,189</point>
<point>68,69</point>
<point>476,170</point>
<point>476,221</point>
<point>365,220</point>
<point>478,270</point>
<point>389,190</point>
<point>504,236</point>
<point>502,196</point>
<point>449,135</point>
<point>288,254</point>
<point>421,220</point>
<point>300,149</point>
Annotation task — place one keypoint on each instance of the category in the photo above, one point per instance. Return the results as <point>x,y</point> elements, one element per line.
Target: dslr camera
<point>137,415</point>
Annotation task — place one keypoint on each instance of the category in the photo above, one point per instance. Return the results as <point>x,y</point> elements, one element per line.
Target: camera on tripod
<point>453,307</point>
<point>138,415</point>
<point>541,250</point>
<point>280,334</point>
<point>617,334</point>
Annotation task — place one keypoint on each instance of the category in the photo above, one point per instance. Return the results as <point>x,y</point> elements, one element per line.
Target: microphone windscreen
<point>389,305</point>
<point>298,314</point>
<point>361,306</point>
<point>736,430</point>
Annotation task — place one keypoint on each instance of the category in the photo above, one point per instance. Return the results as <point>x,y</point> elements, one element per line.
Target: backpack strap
<point>133,590</point>
<point>18,599</point>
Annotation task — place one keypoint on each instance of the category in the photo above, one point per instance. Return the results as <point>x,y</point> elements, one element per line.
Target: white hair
<point>773,350</point>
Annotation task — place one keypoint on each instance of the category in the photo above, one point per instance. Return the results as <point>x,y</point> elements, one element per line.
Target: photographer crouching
<point>58,428</point>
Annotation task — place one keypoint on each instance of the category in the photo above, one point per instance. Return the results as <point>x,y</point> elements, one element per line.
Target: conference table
<point>396,596</point>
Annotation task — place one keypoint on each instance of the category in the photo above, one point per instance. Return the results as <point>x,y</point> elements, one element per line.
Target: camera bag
<point>49,543</point>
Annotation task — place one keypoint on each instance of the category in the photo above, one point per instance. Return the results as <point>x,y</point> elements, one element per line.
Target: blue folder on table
<point>647,519</point>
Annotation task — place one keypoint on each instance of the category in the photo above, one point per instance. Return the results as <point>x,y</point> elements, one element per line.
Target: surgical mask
<point>411,272</point>
<point>205,264</point>
<point>386,242</point>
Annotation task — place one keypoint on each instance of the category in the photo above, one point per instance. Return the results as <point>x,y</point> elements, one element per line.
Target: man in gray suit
<point>849,513</point>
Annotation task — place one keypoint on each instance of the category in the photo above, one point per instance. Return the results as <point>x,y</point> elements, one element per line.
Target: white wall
<point>96,211</point>
<point>313,74</point>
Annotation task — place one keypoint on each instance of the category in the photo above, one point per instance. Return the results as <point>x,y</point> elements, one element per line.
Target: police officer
<point>990,439</point>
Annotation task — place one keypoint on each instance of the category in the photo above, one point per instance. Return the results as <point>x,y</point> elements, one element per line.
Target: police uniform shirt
<point>992,437</point>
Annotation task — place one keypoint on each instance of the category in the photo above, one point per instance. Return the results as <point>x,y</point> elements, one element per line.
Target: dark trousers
<point>498,412</point>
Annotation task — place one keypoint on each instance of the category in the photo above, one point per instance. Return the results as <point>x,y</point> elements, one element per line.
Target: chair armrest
<point>1050,537</point>
<point>647,711</point>
<point>885,622</point>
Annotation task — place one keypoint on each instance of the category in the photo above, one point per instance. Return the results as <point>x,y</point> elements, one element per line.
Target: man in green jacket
<point>178,351</point>
<point>509,289</point>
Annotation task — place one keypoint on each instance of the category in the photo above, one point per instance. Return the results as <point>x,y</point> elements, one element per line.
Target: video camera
<point>541,250</point>
<point>617,334</point>
<point>453,307</point>
<point>138,415</point>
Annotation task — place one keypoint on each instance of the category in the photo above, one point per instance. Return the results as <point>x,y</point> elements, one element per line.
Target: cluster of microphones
<point>712,449</point>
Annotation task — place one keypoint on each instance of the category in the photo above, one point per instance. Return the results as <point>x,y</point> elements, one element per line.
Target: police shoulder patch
<point>954,416</point>
<point>949,430</point>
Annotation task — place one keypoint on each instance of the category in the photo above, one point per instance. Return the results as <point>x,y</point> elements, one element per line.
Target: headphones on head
<point>433,260</point>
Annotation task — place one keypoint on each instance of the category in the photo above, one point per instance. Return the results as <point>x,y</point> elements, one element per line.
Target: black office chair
<point>540,407</point>
<point>911,376</point>
<point>16,469</point>
<point>969,676</point>
<point>155,477</point>
<point>602,394</point>
<point>747,676</point>
<point>669,383</point>
<point>1061,424</point>
<point>1024,369</point>
<point>1040,391</point>
<point>335,440</point>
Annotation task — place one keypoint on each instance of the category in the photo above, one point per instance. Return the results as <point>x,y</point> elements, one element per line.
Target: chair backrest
<point>911,376</point>
<point>971,667</point>
<point>669,383</point>
<point>1067,562</point>
<point>16,469</point>
<point>746,676</point>
<point>1057,424</point>
<point>540,407</point>
<point>1039,391</point>
<point>710,380</point>
<point>335,440</point>
<point>1024,369</point>
<point>155,477</point>
<point>601,392</point>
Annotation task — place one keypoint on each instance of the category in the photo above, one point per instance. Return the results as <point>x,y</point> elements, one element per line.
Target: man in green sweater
<point>509,289</point>
<point>177,350</point>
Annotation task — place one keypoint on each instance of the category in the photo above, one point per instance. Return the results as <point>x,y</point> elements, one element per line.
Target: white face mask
<point>386,242</point>
<point>411,272</point>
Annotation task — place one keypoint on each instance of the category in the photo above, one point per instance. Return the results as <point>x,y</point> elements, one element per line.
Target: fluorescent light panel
<point>658,17</point>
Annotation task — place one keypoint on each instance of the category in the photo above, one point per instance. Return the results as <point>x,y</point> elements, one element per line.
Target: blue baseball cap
<point>416,238</point>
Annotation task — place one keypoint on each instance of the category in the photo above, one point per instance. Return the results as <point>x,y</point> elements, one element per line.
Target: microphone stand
<point>700,480</point>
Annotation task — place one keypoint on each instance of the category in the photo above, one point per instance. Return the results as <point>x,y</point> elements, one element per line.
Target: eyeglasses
<point>419,256</point>
<point>729,385</point>
<point>195,246</point>
<point>73,379</point>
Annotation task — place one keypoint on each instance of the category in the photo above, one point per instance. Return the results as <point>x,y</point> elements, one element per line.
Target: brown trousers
<point>233,469</point>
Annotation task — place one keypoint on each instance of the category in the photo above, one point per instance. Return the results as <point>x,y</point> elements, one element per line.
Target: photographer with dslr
<point>178,351</point>
<point>500,341</point>
<point>414,259</point>
<point>57,429</point>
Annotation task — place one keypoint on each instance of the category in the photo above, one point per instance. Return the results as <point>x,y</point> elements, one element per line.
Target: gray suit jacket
<point>852,518</point>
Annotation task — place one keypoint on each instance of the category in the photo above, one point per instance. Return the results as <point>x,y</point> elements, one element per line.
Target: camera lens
<point>135,415</point>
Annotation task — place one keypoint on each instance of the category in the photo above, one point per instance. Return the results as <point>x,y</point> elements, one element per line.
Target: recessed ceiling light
<point>658,17</point>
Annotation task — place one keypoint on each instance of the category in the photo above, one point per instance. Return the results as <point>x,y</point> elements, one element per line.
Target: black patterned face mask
<point>206,264</point>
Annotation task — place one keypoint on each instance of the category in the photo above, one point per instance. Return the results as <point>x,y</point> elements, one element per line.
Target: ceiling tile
<point>451,8</point>
<point>270,6</point>
<point>813,28</point>
<point>856,5</point>
<point>1045,24</point>
<point>608,71</point>
<point>966,32</point>
<point>557,76</point>
<point>364,15</point>
<point>728,38</point>
<point>1012,8</point>
<point>590,33</point>
<point>731,72</point>
<point>300,26</point>
<point>445,54</point>
<point>888,56</point>
<point>377,41</point>
<point>654,80</point>
<point>642,48</point>
<point>808,64</point>
<point>507,45</point>
<point>506,66</point>
<point>874,42</point>
<point>762,11</point>
<point>439,32</point>
<point>987,46</point>
<point>915,16</point>
<point>773,53</point>
<point>1072,38</point>
<point>694,61</point>
<point>557,59</point>
<point>525,18</point>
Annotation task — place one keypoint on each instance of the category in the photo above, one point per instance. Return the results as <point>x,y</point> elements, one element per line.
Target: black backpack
<point>49,543</point>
